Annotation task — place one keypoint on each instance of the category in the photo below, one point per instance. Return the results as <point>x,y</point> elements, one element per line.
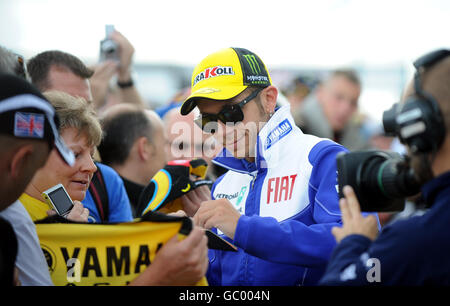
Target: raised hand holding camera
<point>353,221</point>
<point>109,49</point>
<point>126,52</point>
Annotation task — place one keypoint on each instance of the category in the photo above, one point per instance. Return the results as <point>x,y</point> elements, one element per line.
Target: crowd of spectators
<point>63,122</point>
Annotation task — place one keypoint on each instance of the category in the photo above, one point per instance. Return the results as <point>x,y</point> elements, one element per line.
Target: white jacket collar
<point>267,150</point>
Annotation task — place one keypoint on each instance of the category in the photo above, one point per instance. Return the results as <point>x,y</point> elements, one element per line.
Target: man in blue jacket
<point>278,201</point>
<point>415,251</point>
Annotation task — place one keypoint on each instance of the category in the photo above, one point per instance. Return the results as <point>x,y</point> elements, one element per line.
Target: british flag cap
<point>26,113</point>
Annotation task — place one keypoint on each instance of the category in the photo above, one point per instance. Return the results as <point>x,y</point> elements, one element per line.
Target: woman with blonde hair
<point>81,131</point>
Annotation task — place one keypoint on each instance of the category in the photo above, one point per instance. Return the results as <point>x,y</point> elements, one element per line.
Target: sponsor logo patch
<point>253,63</point>
<point>258,76</point>
<point>277,133</point>
<point>226,196</point>
<point>213,72</point>
<point>260,79</point>
<point>280,189</point>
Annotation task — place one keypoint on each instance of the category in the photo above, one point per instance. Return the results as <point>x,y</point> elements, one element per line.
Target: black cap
<point>26,113</point>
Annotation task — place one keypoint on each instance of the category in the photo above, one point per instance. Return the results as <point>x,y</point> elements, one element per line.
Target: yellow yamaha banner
<point>105,254</point>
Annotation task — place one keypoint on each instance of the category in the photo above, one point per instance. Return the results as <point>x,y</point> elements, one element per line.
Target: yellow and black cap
<point>225,74</point>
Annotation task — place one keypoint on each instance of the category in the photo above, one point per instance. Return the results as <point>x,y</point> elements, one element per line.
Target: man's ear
<point>269,99</point>
<point>145,149</point>
<point>20,159</point>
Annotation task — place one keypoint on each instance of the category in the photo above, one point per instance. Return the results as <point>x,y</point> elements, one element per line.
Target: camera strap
<point>99,194</point>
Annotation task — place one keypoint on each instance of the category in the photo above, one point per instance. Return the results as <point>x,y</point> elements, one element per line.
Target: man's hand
<point>193,199</point>
<point>178,263</point>
<point>353,221</point>
<point>220,214</point>
<point>126,56</point>
<point>126,49</point>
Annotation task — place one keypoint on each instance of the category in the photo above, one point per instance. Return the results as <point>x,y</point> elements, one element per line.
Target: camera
<point>381,180</point>
<point>109,49</point>
<point>59,199</point>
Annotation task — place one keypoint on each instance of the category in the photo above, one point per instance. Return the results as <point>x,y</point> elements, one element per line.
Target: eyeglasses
<point>229,113</point>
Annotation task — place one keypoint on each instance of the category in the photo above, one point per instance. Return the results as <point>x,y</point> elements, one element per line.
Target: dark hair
<point>119,134</point>
<point>39,66</point>
<point>436,81</point>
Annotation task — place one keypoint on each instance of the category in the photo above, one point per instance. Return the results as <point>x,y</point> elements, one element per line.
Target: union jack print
<point>29,125</point>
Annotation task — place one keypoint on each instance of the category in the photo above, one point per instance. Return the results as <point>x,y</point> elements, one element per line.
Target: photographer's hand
<point>353,221</point>
<point>128,94</point>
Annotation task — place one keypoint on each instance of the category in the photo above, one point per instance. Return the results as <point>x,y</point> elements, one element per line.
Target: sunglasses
<point>229,113</point>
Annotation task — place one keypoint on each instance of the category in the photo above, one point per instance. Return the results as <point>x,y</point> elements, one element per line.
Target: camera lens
<point>381,180</point>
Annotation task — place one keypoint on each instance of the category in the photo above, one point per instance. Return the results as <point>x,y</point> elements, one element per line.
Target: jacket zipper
<point>253,182</point>
<point>246,258</point>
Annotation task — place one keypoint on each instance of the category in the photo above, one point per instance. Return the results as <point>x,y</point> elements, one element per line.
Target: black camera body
<point>380,179</point>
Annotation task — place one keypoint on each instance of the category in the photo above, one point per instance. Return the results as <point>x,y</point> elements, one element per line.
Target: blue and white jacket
<point>289,203</point>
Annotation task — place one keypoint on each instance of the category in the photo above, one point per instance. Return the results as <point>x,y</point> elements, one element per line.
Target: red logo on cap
<point>213,72</point>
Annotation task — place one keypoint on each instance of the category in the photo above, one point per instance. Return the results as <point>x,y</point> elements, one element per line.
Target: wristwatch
<point>126,84</point>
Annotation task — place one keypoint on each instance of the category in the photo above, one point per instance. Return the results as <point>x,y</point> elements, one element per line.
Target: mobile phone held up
<point>59,199</point>
<point>109,49</point>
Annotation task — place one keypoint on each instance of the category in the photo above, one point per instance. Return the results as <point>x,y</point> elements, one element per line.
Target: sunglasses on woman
<point>229,113</point>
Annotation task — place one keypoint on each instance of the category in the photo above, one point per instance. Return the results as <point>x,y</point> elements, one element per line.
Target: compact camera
<point>59,199</point>
<point>109,49</point>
